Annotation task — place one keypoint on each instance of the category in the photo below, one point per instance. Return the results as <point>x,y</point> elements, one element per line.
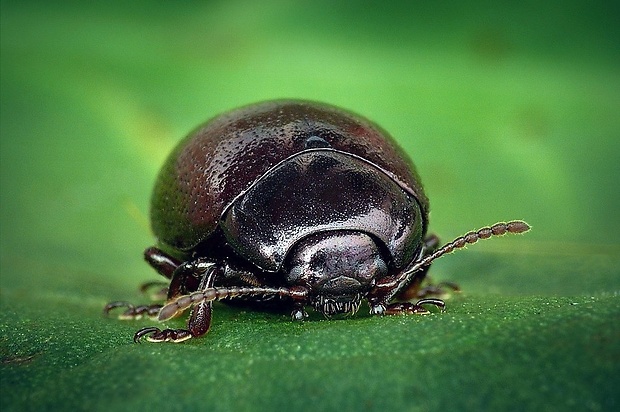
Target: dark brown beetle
<point>291,204</point>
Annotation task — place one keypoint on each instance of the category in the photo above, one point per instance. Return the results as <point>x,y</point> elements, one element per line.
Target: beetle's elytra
<point>291,204</point>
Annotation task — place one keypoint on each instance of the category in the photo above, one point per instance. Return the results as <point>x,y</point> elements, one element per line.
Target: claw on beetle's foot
<point>299,314</point>
<point>378,310</point>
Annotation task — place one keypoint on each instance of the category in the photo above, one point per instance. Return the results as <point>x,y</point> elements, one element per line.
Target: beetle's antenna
<point>498,229</point>
<point>181,303</point>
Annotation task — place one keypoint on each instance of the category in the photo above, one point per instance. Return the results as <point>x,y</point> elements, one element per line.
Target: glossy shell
<point>322,190</point>
<point>223,158</point>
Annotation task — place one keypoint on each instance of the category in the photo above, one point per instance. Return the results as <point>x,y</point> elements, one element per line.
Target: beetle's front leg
<point>199,321</point>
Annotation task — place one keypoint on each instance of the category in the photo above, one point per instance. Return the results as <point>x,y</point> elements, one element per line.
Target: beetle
<point>291,204</point>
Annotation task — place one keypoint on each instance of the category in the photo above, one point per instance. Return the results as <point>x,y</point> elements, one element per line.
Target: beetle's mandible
<point>291,204</point>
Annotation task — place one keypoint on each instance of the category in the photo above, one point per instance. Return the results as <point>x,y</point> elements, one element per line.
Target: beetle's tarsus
<point>143,332</point>
<point>116,304</point>
<point>410,308</point>
<point>432,301</point>
<point>157,335</point>
<point>406,308</point>
<point>133,312</point>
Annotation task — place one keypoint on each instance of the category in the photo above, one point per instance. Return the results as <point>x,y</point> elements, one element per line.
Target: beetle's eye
<point>316,142</point>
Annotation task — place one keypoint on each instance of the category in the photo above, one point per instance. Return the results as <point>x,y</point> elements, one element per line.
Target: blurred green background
<point>509,112</point>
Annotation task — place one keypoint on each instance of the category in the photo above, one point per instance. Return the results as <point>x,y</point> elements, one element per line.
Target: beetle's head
<point>337,267</point>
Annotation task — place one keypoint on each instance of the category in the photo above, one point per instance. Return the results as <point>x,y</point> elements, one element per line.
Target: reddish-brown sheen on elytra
<point>222,158</point>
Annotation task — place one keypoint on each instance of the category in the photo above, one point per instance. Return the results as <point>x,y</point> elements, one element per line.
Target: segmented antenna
<point>181,303</point>
<point>498,229</point>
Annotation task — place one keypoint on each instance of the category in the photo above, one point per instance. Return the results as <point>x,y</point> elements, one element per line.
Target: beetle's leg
<point>200,318</point>
<point>132,311</point>
<point>162,262</point>
<point>379,305</point>
<point>179,304</point>
<point>165,265</point>
<point>410,308</point>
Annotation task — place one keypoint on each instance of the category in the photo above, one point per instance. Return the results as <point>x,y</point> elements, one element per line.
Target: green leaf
<point>508,113</point>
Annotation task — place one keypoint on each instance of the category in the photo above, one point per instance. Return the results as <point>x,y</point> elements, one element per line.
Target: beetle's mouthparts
<point>330,306</point>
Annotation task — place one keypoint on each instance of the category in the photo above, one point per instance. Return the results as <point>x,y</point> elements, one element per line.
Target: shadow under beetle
<point>291,204</point>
